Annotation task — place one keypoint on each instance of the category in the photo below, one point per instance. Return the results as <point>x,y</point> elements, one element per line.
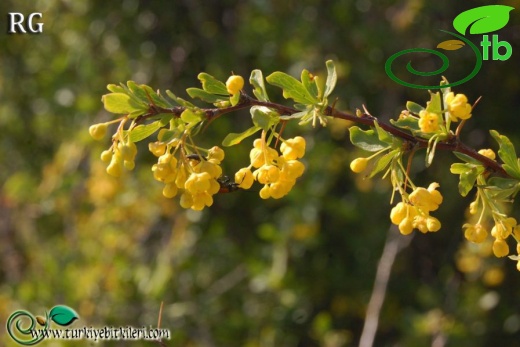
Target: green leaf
<point>367,140</point>
<point>458,168</point>
<point>212,85</point>
<point>292,88</point>
<point>483,19</point>
<point>114,88</point>
<point>234,99</point>
<point>409,123</point>
<point>188,116</point>
<point>63,315</point>
<point>169,135</point>
<point>503,183</point>
<point>235,138</point>
<point>156,98</point>
<point>136,113</point>
<point>164,118</point>
<point>257,81</point>
<point>332,77</point>
<point>468,174</point>
<point>383,135</point>
<point>413,107</point>
<point>178,100</point>
<point>296,115</point>
<point>263,117</point>
<point>309,84</point>
<point>468,178</point>
<point>507,153</point>
<point>467,158</point>
<point>500,188</point>
<point>205,96</point>
<point>434,105</point>
<point>120,103</point>
<point>383,162</point>
<point>138,92</point>
<point>141,132</point>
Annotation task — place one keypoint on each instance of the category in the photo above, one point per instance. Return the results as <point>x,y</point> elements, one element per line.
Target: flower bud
<point>359,165</point>
<point>234,84</point>
<point>98,131</point>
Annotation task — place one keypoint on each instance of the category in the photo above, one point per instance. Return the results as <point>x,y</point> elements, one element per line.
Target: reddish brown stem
<point>452,144</point>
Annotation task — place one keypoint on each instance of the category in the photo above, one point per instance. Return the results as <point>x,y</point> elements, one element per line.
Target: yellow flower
<point>504,228</point>
<point>428,122</point>
<point>488,153</point>
<point>419,223</point>
<point>406,226</point>
<point>401,211</point>
<point>475,233</point>
<point>244,178</point>
<point>433,224</point>
<point>426,199</point>
<point>293,148</point>
<point>500,248</point>
<point>458,106</point>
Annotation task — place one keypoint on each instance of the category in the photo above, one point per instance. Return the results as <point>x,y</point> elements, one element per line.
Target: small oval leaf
<point>119,103</point>
<point>212,85</point>
<point>234,138</point>
<point>257,80</point>
<point>451,45</point>
<point>483,19</point>
<point>141,132</point>
<point>366,139</point>
<point>332,77</point>
<point>292,88</point>
<point>63,315</point>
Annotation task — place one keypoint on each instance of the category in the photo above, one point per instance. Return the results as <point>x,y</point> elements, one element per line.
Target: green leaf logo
<point>483,19</point>
<point>63,315</point>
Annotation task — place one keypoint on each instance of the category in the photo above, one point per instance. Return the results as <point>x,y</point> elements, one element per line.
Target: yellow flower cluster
<point>504,227</point>
<point>458,106</point>
<point>278,173</point>
<point>195,178</point>
<point>120,156</point>
<point>415,214</point>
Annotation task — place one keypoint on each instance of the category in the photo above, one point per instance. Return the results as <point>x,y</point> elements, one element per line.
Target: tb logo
<point>495,45</point>
<point>16,23</point>
<point>479,20</point>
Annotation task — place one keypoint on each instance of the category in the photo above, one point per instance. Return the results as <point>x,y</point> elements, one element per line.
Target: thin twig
<point>393,245</point>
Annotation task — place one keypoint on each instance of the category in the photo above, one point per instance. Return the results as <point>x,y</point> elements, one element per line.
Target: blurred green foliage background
<point>245,272</point>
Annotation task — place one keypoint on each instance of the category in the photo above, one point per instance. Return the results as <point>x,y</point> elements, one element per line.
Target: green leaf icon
<point>483,19</point>
<point>63,315</point>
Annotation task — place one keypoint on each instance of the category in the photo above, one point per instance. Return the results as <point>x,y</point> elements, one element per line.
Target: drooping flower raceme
<point>415,213</point>
<point>278,173</point>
